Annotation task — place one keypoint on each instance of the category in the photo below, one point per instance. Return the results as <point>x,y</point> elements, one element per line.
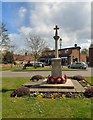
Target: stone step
<point>78,87</point>
<point>42,86</point>
<point>67,85</point>
<point>51,90</point>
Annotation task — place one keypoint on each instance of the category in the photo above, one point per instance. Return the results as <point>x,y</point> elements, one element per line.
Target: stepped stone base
<point>68,85</point>
<point>42,86</point>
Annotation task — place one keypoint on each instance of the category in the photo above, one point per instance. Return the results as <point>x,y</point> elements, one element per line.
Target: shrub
<point>89,92</point>
<point>21,91</point>
<point>37,77</point>
<point>78,77</point>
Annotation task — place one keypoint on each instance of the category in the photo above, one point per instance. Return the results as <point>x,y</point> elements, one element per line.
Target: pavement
<point>88,72</point>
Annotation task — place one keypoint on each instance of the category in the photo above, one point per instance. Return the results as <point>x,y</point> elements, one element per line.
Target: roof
<point>62,52</point>
<point>65,53</point>
<point>18,57</point>
<point>78,47</point>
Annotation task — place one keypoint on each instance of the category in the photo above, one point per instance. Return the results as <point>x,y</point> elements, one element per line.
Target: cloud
<point>86,44</point>
<point>74,20</point>
<point>22,12</point>
<point>25,30</point>
<point>18,39</point>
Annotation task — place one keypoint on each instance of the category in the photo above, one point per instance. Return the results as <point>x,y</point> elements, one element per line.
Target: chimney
<point>25,53</point>
<point>75,45</point>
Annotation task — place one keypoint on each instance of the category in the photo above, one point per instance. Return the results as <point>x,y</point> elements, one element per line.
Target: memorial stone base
<point>43,86</point>
<point>56,67</point>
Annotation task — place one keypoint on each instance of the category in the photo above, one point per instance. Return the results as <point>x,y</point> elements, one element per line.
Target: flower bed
<point>57,95</point>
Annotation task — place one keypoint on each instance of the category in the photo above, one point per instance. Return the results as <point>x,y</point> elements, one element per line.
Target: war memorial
<point>56,82</point>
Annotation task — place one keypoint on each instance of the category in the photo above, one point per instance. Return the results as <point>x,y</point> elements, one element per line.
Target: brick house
<point>23,58</point>
<point>83,57</point>
<point>91,55</point>
<point>68,55</point>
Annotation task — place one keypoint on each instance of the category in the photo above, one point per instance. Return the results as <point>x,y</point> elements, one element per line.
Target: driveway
<point>88,72</point>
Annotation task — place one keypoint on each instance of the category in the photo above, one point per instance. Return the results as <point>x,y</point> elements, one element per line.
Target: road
<point>88,72</point>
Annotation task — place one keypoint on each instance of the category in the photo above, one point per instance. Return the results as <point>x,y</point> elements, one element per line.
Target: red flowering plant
<point>58,80</point>
<point>51,79</point>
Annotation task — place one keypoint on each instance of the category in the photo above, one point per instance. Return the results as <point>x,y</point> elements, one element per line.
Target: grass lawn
<point>20,68</point>
<point>8,67</point>
<point>89,80</point>
<point>27,107</point>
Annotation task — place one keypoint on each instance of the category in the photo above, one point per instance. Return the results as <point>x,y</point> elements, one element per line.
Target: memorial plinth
<point>56,67</point>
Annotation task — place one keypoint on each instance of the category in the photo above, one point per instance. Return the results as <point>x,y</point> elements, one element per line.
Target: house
<point>91,55</point>
<point>23,58</point>
<point>67,55</point>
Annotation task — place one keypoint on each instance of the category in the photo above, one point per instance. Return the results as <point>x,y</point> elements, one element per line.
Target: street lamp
<point>60,43</point>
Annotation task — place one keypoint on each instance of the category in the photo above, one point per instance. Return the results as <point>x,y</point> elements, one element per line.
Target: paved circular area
<point>88,72</point>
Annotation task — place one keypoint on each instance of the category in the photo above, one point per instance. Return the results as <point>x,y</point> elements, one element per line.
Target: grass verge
<point>89,80</point>
<point>27,107</point>
<point>20,68</point>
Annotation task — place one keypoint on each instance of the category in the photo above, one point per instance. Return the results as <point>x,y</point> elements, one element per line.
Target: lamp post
<point>60,43</point>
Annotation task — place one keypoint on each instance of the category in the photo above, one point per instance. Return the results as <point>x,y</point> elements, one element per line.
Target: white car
<point>38,64</point>
<point>79,65</point>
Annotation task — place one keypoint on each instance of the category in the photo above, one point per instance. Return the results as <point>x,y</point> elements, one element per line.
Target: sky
<point>39,18</point>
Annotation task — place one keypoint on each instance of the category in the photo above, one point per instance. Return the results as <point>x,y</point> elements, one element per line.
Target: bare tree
<point>36,45</point>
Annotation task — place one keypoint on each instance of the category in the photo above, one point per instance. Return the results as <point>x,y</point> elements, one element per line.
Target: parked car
<point>29,64</point>
<point>33,64</point>
<point>78,65</point>
<point>38,64</point>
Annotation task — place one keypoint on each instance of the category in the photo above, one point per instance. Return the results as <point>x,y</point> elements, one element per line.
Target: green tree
<point>46,49</point>
<point>5,42</point>
<point>85,51</point>
<point>4,38</point>
<point>8,57</point>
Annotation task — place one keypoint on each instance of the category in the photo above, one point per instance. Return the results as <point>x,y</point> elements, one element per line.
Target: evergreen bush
<point>21,91</point>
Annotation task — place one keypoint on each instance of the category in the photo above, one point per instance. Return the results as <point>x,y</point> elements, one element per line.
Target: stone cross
<point>56,37</point>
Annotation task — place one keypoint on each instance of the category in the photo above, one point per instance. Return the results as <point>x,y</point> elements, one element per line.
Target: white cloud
<point>16,38</point>
<point>25,30</point>
<point>74,20</point>
<point>22,12</point>
<point>86,44</point>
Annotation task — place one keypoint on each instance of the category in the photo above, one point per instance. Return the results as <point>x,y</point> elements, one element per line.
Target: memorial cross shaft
<point>56,37</point>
